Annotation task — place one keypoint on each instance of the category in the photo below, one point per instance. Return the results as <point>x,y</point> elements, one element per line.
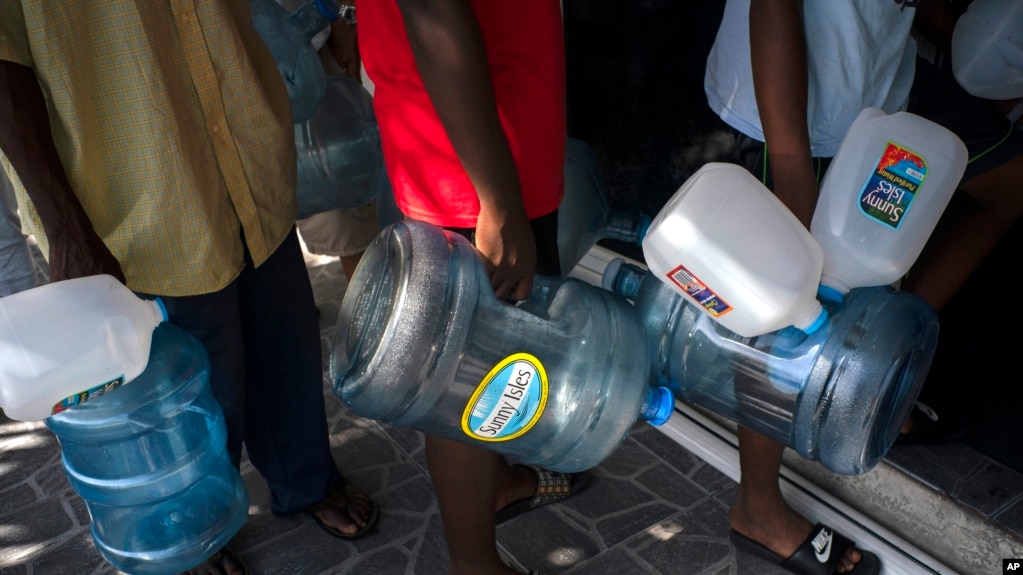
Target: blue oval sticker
<point>509,401</point>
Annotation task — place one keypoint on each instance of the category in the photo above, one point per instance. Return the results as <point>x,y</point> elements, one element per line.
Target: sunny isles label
<point>892,185</point>
<point>509,401</point>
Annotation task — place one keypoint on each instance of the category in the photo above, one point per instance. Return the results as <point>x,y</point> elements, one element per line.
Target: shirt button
<point>216,128</point>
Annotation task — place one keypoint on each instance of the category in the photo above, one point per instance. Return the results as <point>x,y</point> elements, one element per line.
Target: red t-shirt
<point>525,47</point>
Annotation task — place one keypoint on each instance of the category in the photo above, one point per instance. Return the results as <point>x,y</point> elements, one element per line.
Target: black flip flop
<point>818,554</point>
<point>551,487</point>
<point>346,492</point>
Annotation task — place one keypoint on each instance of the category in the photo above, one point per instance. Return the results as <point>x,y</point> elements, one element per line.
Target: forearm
<point>449,51</point>
<point>75,249</point>
<point>27,144</point>
<point>779,62</point>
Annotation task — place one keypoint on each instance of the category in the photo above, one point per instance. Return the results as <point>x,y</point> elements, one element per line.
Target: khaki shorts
<point>342,232</point>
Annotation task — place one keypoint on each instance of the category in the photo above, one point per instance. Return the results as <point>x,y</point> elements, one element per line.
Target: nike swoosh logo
<point>930,413</point>
<point>822,546</point>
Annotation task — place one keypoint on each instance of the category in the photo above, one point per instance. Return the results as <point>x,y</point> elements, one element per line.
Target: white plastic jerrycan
<point>726,243</point>
<point>880,199</point>
<point>987,49</point>
<point>66,342</point>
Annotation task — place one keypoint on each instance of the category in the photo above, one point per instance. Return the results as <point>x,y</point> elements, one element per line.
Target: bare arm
<point>449,51</point>
<point>344,46</point>
<point>75,248</point>
<point>778,55</point>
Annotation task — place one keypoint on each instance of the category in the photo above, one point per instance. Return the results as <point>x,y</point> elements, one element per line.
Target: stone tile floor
<point>653,507</point>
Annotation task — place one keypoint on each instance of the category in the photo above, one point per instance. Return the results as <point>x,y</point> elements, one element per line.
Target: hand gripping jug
<point>422,342</point>
<point>987,49</point>
<point>838,395</point>
<point>881,197</point>
<point>340,161</point>
<point>67,342</point>
<point>151,464</point>
<point>584,217</point>
<point>289,36</point>
<point>726,243</point>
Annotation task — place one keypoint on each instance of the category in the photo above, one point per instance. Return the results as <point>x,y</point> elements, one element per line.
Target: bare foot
<point>345,512</point>
<point>781,530</point>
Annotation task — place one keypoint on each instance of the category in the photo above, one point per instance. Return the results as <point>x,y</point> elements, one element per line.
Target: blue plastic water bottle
<point>584,217</point>
<point>289,36</point>
<point>838,395</point>
<point>422,342</point>
<point>340,161</point>
<point>150,461</point>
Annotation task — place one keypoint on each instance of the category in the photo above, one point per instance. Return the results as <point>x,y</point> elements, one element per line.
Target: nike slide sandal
<point>817,555</point>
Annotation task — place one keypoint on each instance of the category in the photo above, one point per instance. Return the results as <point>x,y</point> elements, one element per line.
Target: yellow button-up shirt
<point>174,128</point>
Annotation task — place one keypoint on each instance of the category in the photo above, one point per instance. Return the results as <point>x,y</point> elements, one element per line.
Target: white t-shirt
<point>860,54</point>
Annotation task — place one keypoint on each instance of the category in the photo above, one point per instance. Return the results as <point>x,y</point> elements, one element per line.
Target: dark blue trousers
<point>266,370</point>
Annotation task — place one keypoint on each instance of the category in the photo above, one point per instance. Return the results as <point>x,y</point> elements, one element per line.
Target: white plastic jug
<point>880,199</point>
<point>66,342</point>
<point>728,244</point>
<point>987,49</point>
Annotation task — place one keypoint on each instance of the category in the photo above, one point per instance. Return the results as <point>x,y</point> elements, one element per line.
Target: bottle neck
<point>658,406</point>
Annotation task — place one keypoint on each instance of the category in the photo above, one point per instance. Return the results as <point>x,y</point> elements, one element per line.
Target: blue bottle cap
<point>163,308</point>
<point>829,294</point>
<point>659,406</point>
<point>817,323</point>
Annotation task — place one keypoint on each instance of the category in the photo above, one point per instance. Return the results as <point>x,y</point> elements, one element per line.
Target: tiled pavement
<point>653,507</point>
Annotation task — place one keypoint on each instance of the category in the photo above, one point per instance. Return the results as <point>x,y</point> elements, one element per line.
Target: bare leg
<point>965,238</point>
<point>760,511</point>
<point>471,484</point>
<point>348,264</point>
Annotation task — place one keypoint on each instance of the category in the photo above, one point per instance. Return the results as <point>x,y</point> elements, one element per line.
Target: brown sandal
<point>345,492</point>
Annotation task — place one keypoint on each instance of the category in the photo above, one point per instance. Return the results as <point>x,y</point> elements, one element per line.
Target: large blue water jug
<point>838,396</point>
<point>150,461</point>
<point>584,217</point>
<point>340,161</point>
<point>289,36</point>
<point>422,342</point>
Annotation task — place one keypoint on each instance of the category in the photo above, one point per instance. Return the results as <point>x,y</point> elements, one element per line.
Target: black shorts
<point>545,234</point>
<point>991,140</point>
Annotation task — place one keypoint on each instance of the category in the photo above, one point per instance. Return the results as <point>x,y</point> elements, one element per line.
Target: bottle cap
<point>829,294</point>
<point>817,322</point>
<point>163,308</point>
<point>660,405</point>
<point>607,279</point>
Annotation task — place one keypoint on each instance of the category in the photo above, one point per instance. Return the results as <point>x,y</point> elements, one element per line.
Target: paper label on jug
<point>696,289</point>
<point>83,396</point>
<point>892,185</point>
<point>509,401</point>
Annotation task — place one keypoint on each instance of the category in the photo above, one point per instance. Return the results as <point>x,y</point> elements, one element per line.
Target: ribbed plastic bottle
<point>68,342</point>
<point>584,217</point>
<point>987,49</point>
<point>340,161</point>
<point>422,342</point>
<point>289,36</point>
<point>881,198</point>
<point>151,464</point>
<point>838,396</point>
<point>726,243</point>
